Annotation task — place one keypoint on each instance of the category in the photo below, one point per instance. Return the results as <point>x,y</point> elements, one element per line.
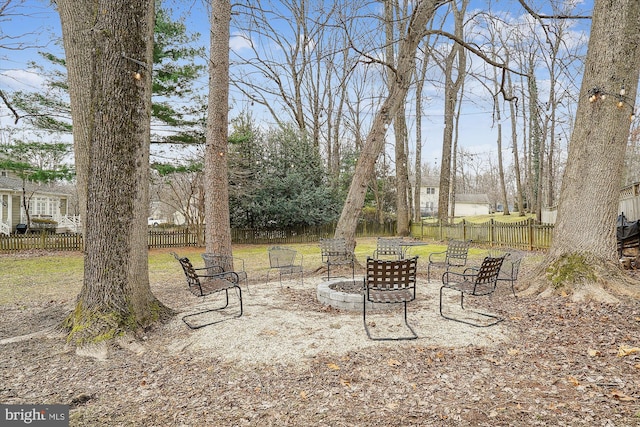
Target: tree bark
<point>374,142</point>
<point>218,225</point>
<point>582,260</point>
<point>109,49</point>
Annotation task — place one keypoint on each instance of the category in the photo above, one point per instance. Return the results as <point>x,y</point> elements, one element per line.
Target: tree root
<point>580,278</point>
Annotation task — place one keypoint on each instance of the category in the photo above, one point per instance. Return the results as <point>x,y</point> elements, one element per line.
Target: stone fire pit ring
<point>328,293</point>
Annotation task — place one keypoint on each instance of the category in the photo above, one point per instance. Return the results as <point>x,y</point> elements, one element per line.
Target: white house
<point>465,204</point>
<point>44,202</point>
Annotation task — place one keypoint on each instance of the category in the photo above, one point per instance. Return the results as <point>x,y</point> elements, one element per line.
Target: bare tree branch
<point>537,16</point>
<point>9,106</point>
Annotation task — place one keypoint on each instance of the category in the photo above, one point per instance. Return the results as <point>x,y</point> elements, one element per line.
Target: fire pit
<point>344,294</point>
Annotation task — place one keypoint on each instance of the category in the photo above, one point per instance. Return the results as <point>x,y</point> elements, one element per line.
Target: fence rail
<point>169,238</point>
<point>524,234</point>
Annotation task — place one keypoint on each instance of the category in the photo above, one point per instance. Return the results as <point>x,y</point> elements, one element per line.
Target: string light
<point>600,94</point>
<point>137,75</point>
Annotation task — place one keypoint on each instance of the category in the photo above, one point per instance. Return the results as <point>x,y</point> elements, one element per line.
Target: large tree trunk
<point>374,142</point>
<point>582,260</point>
<point>109,48</point>
<point>218,226</point>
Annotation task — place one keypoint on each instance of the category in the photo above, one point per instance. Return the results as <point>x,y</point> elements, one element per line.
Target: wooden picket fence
<point>523,235</point>
<point>526,234</point>
<point>183,237</point>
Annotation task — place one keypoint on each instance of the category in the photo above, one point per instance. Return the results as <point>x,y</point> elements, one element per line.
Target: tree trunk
<point>374,142</point>
<point>109,57</point>
<point>582,260</point>
<point>218,225</point>
<point>514,149</point>
<point>402,190</point>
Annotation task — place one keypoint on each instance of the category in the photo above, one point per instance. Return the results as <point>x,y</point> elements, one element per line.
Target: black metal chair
<point>390,282</point>
<point>388,247</point>
<point>286,261</point>
<point>474,282</point>
<point>202,285</point>
<point>335,252</point>
<point>227,263</point>
<point>454,256</point>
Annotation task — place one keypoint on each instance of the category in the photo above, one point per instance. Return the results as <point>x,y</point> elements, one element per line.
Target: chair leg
<point>196,326</point>
<point>494,319</point>
<point>413,335</point>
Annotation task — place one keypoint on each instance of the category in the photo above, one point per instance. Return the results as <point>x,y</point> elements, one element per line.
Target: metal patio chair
<point>474,282</point>
<point>203,282</point>
<point>335,252</point>
<point>389,248</point>
<point>227,263</point>
<point>454,256</point>
<point>285,261</point>
<point>390,282</point>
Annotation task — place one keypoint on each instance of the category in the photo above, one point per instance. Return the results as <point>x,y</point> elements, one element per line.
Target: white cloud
<point>239,41</point>
<point>21,80</point>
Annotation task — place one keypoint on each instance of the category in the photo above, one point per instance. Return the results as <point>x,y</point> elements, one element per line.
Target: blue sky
<point>40,27</point>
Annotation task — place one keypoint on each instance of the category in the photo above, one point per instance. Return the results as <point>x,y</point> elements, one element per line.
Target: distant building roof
<point>472,198</point>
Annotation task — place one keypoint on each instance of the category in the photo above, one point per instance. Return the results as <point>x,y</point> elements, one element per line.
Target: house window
<point>431,190</point>
<point>3,173</point>
<point>44,206</point>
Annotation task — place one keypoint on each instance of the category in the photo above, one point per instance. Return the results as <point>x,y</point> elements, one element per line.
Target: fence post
<point>491,225</point>
<point>530,232</point>
<point>464,229</point>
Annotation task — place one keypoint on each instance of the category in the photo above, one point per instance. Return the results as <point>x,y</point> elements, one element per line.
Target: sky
<point>38,24</point>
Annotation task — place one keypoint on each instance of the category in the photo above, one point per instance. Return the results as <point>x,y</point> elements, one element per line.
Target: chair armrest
<point>459,276</point>
<point>443,253</point>
<point>231,276</point>
<point>214,269</point>
<point>471,271</point>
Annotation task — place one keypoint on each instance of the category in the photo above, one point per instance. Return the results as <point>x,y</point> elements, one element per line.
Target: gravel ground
<point>289,361</point>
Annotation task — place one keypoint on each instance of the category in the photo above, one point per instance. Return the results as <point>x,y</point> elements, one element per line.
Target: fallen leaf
<point>393,362</point>
<point>617,394</point>
<point>593,353</point>
<point>333,366</point>
<point>626,351</point>
<point>513,351</point>
<point>303,395</point>
<point>345,382</point>
<point>573,381</point>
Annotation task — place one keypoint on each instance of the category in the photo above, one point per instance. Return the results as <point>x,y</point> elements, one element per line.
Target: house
<point>472,204</point>
<point>44,203</point>
<point>429,192</point>
<point>465,204</point>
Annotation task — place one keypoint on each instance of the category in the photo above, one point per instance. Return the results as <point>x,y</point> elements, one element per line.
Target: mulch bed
<point>568,364</point>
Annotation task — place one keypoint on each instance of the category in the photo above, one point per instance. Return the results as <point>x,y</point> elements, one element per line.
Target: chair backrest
<point>193,280</point>
<point>388,246</point>
<point>281,257</point>
<point>217,263</point>
<point>510,269</point>
<point>487,276</point>
<point>389,275</point>
<point>457,251</point>
<point>334,247</point>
